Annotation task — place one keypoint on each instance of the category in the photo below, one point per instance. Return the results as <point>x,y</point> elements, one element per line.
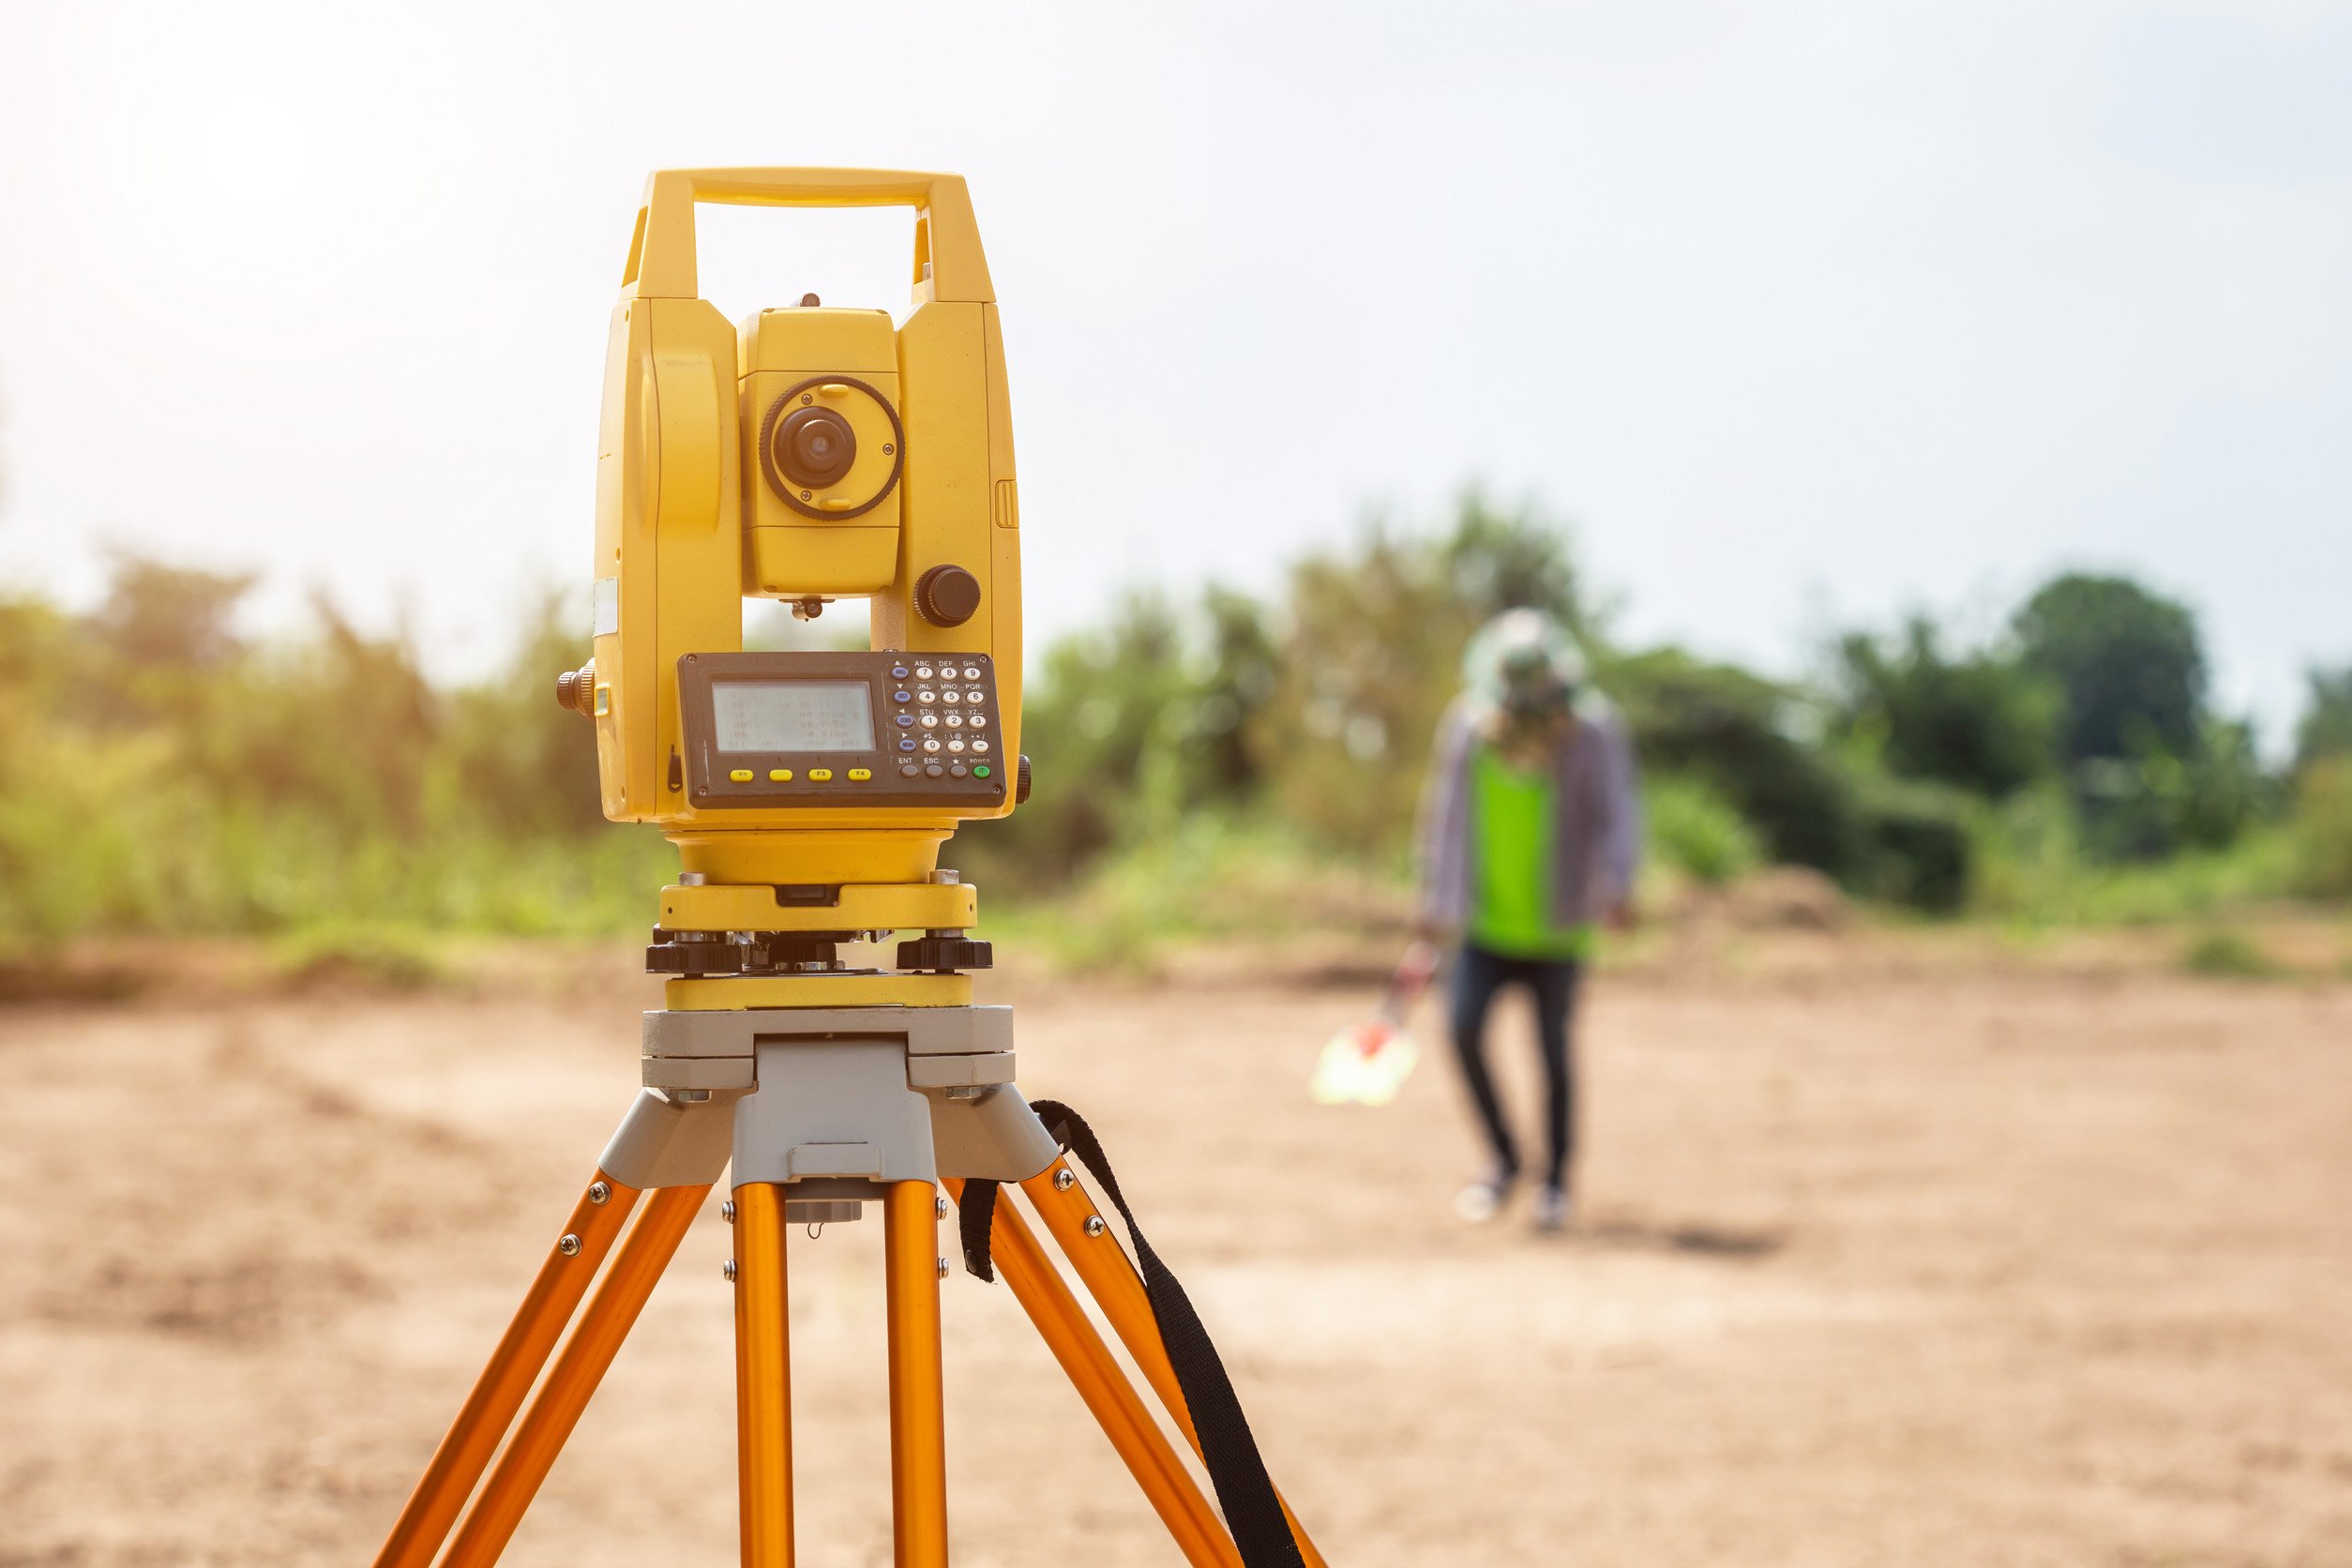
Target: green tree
<point>2129,666</point>
<point>2326,727</point>
<point>1977,721</point>
<point>1375,630</point>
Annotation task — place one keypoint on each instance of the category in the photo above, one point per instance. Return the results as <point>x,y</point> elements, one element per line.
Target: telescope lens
<point>814,447</point>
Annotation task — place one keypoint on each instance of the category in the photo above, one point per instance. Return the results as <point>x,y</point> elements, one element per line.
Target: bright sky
<point>1802,313</point>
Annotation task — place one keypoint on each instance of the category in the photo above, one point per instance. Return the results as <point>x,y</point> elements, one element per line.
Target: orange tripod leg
<point>1088,1362</point>
<point>1103,1267</point>
<point>763,1389</point>
<point>579,1367</point>
<point>918,1435</point>
<point>498,1392</point>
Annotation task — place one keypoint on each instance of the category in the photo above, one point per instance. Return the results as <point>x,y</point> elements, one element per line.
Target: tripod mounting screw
<point>727,1270</point>
<point>599,1192</point>
<point>1065,1179</point>
<point>568,1245</point>
<point>1094,1225</point>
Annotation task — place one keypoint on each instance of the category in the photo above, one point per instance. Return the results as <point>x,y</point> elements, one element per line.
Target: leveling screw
<point>568,1245</point>
<point>1065,1179</point>
<point>599,1192</point>
<point>727,1210</point>
<point>727,1270</point>
<point>1094,1225</point>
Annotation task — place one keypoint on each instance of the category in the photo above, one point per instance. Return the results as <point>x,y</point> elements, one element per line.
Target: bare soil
<point>1883,1257</point>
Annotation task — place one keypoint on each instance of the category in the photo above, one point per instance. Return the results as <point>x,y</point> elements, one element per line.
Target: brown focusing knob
<point>946,595</point>
<point>576,689</point>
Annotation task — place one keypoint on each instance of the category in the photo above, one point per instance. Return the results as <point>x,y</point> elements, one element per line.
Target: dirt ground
<point>1880,1261</point>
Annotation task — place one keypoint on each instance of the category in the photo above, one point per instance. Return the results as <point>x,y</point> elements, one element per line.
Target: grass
<point>366,957</point>
<point>2226,952</point>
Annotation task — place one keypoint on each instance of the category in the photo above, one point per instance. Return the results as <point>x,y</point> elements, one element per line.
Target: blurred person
<point>1529,836</point>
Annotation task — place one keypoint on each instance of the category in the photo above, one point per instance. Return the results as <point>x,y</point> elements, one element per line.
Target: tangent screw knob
<point>946,595</point>
<point>576,689</point>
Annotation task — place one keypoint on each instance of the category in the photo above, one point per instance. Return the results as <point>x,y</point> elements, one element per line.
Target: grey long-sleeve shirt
<point>1596,837</point>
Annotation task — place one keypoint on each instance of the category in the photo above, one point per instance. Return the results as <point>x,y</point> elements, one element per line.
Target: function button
<point>860,776</point>
<point>955,721</point>
<point>980,770</point>
<point>979,745</point>
<point>926,695</point>
<point>972,672</point>
<point>955,745</point>
<point>908,770</point>
<point>740,775</point>
<point>897,671</point>
<point>907,720</point>
<point>779,775</point>
<point>930,743</point>
<point>906,743</point>
<point>957,769</point>
<point>902,696</point>
<point>930,721</point>
<point>934,769</point>
<point>979,721</point>
<point>821,776</point>
<point>922,672</point>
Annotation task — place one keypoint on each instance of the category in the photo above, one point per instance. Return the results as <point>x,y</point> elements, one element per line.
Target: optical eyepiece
<point>814,447</point>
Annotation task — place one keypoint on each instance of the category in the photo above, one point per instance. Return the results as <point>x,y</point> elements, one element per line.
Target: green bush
<point>1694,830</point>
<point>1741,734</point>
<point>2321,829</point>
<point>1921,847</point>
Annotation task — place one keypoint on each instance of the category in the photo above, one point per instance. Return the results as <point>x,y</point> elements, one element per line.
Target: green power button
<point>980,772</point>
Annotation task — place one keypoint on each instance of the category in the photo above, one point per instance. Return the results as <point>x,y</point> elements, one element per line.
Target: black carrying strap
<point>1245,1491</point>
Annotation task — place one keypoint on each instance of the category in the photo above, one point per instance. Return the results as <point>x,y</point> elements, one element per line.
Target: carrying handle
<point>948,262</point>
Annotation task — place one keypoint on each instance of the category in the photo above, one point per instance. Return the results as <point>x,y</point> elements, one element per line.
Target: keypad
<point>939,707</point>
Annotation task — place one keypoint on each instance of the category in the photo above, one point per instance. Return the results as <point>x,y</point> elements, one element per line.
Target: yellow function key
<point>858,775</point>
<point>779,775</point>
<point>740,775</point>
<point>821,776</point>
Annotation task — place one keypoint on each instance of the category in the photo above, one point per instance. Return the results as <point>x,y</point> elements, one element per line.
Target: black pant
<point>1552,983</point>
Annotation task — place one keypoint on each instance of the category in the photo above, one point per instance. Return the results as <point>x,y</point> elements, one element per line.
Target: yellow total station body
<point>806,454</point>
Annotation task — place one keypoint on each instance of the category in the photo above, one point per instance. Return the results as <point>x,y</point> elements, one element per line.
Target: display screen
<point>793,716</point>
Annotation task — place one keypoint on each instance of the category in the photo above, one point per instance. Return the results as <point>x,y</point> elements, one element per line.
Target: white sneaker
<point>1552,1208</point>
<point>1480,1201</point>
